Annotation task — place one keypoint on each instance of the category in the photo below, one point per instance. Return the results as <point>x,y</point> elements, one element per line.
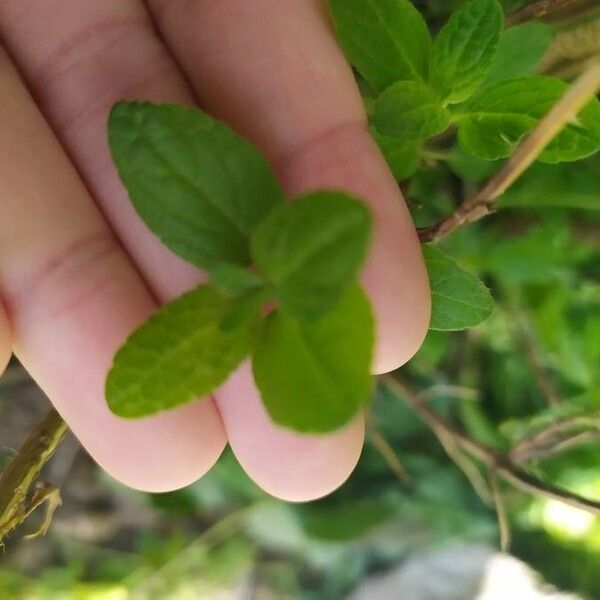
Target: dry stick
<point>503,524</point>
<point>465,463</point>
<point>572,49</point>
<point>555,433</point>
<point>483,202</point>
<point>24,469</point>
<point>543,451</point>
<point>537,10</point>
<point>498,463</point>
<point>390,456</point>
<point>216,534</point>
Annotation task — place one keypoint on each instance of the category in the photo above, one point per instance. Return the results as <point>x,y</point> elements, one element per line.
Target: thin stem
<point>537,10</point>
<point>575,441</point>
<point>465,463</point>
<point>501,464</point>
<point>390,456</point>
<point>482,203</point>
<point>216,534</point>
<point>503,524</point>
<point>24,469</point>
<point>553,434</point>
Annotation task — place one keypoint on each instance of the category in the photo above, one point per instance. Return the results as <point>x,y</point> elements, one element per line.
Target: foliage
<point>471,82</point>
<point>196,184</point>
<point>460,300</point>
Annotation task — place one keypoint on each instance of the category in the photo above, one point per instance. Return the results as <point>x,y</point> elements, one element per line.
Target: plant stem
<point>390,456</point>
<point>500,464</point>
<point>216,534</point>
<point>483,202</point>
<point>537,10</point>
<point>555,437</point>
<point>24,469</point>
<point>503,523</point>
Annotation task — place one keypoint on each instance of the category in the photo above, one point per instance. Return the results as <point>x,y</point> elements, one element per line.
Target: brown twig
<point>465,463</point>
<point>390,456</point>
<point>572,49</point>
<point>483,202</point>
<point>498,463</point>
<point>537,10</point>
<point>575,441</point>
<point>552,438</point>
<point>215,535</point>
<point>16,501</point>
<point>503,524</point>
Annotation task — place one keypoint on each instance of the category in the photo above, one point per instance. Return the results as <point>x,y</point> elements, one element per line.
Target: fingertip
<point>5,341</point>
<point>289,466</point>
<point>313,467</point>
<point>164,453</point>
<point>401,300</point>
<point>313,480</point>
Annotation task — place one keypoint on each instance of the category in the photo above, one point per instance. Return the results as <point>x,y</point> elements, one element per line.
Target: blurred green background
<point>224,538</point>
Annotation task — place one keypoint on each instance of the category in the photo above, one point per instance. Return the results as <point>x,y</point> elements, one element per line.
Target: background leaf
<point>459,300</point>
<point>494,122</point>
<point>410,111</point>
<point>403,158</point>
<point>386,40</point>
<point>199,186</point>
<point>312,249</point>
<point>520,50</point>
<point>179,355</point>
<point>314,377</point>
<point>348,522</point>
<point>574,186</point>
<point>463,51</point>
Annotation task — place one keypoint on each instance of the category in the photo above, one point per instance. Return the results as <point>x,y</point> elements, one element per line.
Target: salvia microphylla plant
<point>213,199</point>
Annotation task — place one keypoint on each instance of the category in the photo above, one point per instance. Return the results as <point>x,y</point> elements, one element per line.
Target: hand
<point>79,270</point>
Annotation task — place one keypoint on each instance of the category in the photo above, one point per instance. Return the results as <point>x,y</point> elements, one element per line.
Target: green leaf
<point>403,158</point>
<point>315,377</point>
<point>520,50</point>
<point>200,187</point>
<point>495,121</point>
<point>463,51</point>
<point>573,186</point>
<point>350,521</point>
<point>469,167</point>
<point>311,250</point>
<point>179,355</point>
<point>409,110</point>
<point>386,40</point>
<point>459,300</point>
<point>234,281</point>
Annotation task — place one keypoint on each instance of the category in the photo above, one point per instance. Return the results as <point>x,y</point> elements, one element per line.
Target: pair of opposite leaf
<point>468,77</point>
<point>213,199</point>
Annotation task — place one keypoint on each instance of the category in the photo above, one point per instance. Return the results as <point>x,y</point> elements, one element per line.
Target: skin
<point>79,270</point>
<point>5,340</point>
